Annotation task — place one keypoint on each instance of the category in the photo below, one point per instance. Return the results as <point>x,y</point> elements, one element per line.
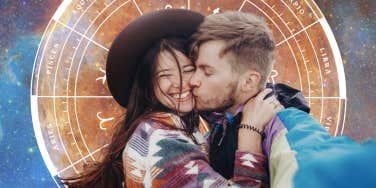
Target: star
<point>31,150</point>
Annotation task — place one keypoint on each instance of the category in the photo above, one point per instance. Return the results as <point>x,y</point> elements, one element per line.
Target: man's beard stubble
<point>222,104</point>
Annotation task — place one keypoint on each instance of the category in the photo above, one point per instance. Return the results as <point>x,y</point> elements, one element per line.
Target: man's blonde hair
<point>247,39</point>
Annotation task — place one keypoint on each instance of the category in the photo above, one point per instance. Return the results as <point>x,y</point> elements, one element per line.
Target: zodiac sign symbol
<point>329,121</point>
<point>273,74</point>
<point>103,78</point>
<point>216,11</point>
<point>168,6</point>
<point>103,120</point>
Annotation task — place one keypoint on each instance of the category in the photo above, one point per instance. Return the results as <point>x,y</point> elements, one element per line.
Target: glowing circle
<point>73,111</point>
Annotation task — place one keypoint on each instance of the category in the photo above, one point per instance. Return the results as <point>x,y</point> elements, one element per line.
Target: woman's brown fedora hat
<point>136,38</point>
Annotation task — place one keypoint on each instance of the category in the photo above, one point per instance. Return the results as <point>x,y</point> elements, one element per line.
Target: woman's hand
<point>257,113</point>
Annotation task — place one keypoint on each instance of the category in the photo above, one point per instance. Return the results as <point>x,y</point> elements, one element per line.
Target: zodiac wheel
<point>73,111</point>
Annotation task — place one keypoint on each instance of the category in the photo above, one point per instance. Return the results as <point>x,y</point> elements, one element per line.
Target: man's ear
<point>250,80</point>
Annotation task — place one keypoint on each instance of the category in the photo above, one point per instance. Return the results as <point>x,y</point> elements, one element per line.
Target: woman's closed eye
<point>188,69</point>
<point>164,75</point>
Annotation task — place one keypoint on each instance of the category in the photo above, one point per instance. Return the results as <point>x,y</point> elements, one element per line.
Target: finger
<point>269,95</point>
<point>250,101</point>
<point>271,100</point>
<point>263,93</point>
<point>279,108</point>
<point>276,101</point>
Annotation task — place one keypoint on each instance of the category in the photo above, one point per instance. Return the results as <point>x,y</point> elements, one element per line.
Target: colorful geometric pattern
<point>159,155</point>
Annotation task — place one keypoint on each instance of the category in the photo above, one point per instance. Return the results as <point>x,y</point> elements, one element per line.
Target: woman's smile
<point>183,97</point>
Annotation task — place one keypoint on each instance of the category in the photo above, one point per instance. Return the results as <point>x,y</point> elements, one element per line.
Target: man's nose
<point>195,82</point>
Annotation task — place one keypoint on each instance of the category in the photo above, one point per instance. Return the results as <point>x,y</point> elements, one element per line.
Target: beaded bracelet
<point>252,128</point>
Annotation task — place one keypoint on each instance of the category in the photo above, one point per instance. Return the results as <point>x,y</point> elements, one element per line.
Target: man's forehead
<point>213,46</point>
<point>209,54</point>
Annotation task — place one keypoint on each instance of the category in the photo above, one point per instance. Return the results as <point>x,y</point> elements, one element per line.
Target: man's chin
<point>208,108</point>
<point>201,107</point>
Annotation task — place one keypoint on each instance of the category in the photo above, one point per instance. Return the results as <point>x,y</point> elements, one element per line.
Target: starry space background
<point>21,27</point>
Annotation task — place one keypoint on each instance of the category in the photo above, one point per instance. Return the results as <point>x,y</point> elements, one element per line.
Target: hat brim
<point>136,38</point>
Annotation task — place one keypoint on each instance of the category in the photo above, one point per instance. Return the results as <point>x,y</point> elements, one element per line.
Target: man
<point>233,53</point>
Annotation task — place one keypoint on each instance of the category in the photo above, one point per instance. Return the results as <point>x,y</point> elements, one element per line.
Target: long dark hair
<point>142,105</point>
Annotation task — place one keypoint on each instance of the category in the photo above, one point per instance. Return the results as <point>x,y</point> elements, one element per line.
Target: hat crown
<point>136,38</point>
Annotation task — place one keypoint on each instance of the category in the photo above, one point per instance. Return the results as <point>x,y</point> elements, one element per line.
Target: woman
<point>160,143</point>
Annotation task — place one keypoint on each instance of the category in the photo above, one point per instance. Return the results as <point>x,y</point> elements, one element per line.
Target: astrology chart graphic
<point>74,113</point>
